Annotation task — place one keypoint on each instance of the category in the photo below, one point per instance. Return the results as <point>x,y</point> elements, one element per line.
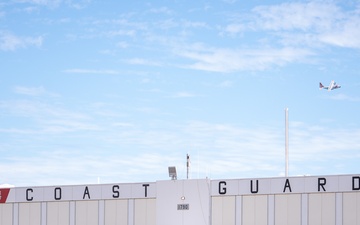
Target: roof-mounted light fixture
<point>172,172</point>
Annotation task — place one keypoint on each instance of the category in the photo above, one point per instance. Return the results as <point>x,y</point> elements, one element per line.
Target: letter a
<point>86,192</point>
<point>287,185</point>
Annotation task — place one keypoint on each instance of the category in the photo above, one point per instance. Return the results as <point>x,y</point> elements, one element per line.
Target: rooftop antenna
<point>286,142</point>
<point>187,165</point>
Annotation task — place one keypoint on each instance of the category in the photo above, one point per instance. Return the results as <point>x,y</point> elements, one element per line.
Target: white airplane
<point>332,86</point>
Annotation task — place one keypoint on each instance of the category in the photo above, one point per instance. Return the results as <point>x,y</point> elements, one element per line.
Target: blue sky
<point>116,92</point>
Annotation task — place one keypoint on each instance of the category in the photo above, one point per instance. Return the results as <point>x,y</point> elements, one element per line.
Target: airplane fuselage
<point>332,86</point>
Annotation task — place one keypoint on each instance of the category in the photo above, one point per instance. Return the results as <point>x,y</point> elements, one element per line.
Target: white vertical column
<point>304,209</point>
<point>131,212</point>
<point>43,213</point>
<point>101,212</point>
<point>238,212</point>
<point>271,210</point>
<point>339,208</point>
<point>72,213</point>
<point>16,214</point>
<point>286,142</point>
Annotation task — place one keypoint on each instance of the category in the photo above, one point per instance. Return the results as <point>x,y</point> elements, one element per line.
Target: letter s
<point>116,192</point>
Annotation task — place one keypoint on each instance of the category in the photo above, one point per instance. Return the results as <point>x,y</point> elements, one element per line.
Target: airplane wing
<point>336,87</point>
<point>332,86</point>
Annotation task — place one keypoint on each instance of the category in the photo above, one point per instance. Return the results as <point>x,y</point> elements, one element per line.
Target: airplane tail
<point>321,85</point>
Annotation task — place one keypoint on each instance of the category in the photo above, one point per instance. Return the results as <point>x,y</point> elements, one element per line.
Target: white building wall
<point>351,208</point>
<point>30,213</point>
<point>58,213</point>
<point>223,210</point>
<point>255,210</point>
<point>329,200</point>
<point>288,209</point>
<point>145,212</point>
<point>6,212</point>
<point>116,212</point>
<point>173,198</point>
<point>87,213</point>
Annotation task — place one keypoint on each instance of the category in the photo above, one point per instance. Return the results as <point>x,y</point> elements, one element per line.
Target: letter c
<point>27,194</point>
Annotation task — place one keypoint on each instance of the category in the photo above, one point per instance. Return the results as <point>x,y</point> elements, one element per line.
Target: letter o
<point>57,193</point>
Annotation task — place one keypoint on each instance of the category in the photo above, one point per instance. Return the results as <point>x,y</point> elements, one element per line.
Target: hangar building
<point>309,200</point>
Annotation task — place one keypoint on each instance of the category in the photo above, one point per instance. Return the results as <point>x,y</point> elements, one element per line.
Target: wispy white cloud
<point>230,60</point>
<point>296,33</point>
<point>78,168</point>
<point>325,21</point>
<point>122,44</point>
<point>307,23</point>
<point>56,3</point>
<point>301,16</point>
<point>234,28</point>
<point>119,124</point>
<point>11,42</point>
<point>194,24</point>
<point>142,61</point>
<point>115,33</point>
<point>46,116</point>
<point>248,151</point>
<point>91,71</point>
<point>226,84</point>
<point>34,91</point>
<point>229,1</point>
<point>67,125</point>
<point>49,3</point>
<point>344,34</point>
<point>183,94</point>
<point>344,97</point>
<point>30,90</point>
<point>78,4</point>
<point>161,10</point>
<point>218,151</point>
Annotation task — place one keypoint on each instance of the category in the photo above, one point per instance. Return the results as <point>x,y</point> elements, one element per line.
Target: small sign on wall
<point>183,207</point>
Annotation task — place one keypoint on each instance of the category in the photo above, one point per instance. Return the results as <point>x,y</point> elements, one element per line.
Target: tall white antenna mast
<point>187,165</point>
<point>286,142</point>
